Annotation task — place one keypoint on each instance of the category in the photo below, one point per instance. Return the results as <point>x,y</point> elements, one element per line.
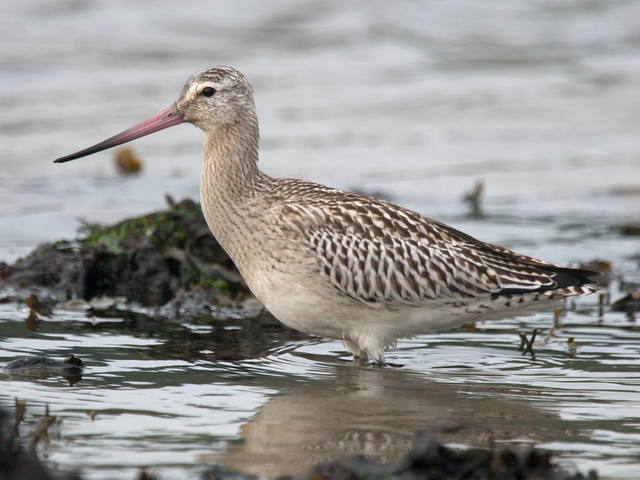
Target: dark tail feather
<point>570,277</point>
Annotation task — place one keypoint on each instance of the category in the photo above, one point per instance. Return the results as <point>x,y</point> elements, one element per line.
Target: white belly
<point>320,309</point>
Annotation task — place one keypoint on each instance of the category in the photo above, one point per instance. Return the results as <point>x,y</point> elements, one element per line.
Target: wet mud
<point>149,260</point>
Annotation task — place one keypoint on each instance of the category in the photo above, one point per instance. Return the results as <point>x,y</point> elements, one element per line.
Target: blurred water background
<point>413,100</point>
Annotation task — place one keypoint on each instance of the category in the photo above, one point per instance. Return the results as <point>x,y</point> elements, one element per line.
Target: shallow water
<point>416,100</point>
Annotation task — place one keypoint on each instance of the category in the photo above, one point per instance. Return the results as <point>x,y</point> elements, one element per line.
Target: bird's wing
<point>379,253</point>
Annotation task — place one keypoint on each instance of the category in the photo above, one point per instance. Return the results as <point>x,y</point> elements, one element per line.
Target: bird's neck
<point>231,181</point>
<point>230,162</point>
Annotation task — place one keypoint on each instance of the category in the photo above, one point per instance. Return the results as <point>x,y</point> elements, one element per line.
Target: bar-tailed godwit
<point>337,264</point>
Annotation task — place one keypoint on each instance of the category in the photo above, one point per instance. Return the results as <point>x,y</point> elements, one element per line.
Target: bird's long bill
<point>165,119</point>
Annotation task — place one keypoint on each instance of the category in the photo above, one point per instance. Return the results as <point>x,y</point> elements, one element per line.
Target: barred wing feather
<point>378,253</point>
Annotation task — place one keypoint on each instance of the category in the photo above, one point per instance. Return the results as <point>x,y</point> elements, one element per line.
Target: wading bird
<point>337,264</point>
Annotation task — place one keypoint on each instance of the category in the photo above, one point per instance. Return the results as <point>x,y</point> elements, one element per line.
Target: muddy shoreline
<point>148,260</point>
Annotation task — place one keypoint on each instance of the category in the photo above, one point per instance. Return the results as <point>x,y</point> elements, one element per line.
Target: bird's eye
<point>208,91</point>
